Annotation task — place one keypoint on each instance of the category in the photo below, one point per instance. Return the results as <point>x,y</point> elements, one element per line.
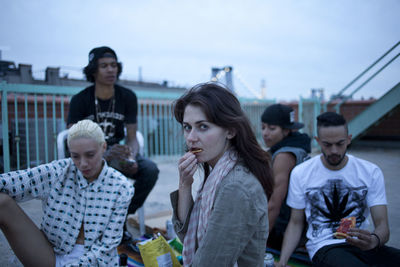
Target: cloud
<point>293,45</point>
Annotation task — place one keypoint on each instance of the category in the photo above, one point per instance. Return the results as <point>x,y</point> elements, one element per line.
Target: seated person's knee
<point>5,202</point>
<point>154,171</point>
<point>150,171</point>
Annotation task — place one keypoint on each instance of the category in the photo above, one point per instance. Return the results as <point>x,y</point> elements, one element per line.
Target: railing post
<point>4,115</point>
<point>300,114</point>
<point>17,138</point>
<point>337,107</point>
<point>325,106</point>
<point>317,111</point>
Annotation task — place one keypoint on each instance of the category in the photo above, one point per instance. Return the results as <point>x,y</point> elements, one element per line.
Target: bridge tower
<point>224,73</point>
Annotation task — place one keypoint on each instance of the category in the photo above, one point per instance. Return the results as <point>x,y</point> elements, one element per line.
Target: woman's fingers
<point>187,167</point>
<point>187,162</point>
<point>187,157</point>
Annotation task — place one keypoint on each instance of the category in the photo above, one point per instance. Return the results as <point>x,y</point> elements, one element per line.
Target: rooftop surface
<point>385,155</point>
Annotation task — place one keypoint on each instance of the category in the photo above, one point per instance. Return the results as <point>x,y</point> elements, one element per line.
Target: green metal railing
<point>17,129</point>
<point>33,115</point>
<point>374,113</point>
<point>309,109</point>
<point>344,98</point>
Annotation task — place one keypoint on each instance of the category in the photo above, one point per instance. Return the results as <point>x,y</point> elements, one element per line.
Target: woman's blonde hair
<point>86,129</point>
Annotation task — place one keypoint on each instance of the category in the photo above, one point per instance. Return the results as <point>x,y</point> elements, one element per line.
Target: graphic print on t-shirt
<point>106,116</point>
<point>333,201</point>
<point>108,124</point>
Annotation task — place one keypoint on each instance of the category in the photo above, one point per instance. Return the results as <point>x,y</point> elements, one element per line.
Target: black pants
<point>347,255</point>
<point>275,239</point>
<point>145,179</point>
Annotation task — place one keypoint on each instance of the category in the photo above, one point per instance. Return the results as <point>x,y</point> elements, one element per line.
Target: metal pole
<point>4,115</point>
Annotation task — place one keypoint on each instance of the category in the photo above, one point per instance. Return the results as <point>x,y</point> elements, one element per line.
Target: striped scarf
<point>202,206</point>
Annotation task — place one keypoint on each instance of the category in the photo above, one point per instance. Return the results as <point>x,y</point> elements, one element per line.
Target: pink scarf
<point>203,204</point>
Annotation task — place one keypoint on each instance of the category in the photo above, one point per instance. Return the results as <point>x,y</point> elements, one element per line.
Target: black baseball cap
<point>281,115</point>
<point>100,52</point>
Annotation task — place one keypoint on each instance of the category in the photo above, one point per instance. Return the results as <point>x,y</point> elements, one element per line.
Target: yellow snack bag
<point>158,253</point>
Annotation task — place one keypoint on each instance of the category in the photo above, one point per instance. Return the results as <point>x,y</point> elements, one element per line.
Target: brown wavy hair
<point>222,108</point>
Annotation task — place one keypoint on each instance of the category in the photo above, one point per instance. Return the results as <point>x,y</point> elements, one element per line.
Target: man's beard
<point>334,159</point>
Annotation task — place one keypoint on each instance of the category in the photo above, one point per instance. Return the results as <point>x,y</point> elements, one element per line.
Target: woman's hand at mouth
<point>187,166</point>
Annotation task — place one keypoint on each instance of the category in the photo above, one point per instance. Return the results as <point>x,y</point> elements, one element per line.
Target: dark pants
<point>275,240</point>
<point>145,179</point>
<point>348,255</point>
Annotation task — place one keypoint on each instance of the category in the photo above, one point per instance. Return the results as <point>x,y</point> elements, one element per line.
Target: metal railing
<point>309,109</point>
<point>33,115</point>
<point>344,98</point>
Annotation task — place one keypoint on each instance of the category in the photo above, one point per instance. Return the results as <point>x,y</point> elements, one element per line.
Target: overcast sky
<point>294,45</point>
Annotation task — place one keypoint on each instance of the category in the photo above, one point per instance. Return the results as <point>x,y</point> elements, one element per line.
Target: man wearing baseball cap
<point>114,108</point>
<point>288,148</point>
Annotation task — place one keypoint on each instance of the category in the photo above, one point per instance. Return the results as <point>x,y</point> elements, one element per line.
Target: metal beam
<point>376,111</point>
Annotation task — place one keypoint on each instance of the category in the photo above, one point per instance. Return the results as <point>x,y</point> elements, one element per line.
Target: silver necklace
<point>106,124</point>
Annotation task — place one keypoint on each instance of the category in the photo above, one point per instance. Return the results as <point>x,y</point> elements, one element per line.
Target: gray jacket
<point>238,225</point>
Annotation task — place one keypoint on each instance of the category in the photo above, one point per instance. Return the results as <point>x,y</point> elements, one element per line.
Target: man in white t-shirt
<point>332,186</point>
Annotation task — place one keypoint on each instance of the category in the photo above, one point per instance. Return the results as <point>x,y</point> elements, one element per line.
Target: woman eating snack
<point>227,223</point>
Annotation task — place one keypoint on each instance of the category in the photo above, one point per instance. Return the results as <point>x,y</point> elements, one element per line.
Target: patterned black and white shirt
<point>69,200</point>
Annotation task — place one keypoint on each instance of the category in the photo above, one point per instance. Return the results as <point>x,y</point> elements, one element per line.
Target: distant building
<point>10,73</point>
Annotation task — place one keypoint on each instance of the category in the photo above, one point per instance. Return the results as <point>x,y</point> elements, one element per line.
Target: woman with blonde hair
<point>84,202</point>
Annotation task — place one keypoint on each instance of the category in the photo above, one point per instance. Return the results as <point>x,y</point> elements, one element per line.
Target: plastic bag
<point>158,253</point>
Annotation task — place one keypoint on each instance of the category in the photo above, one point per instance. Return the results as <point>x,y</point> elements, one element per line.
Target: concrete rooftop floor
<point>385,155</point>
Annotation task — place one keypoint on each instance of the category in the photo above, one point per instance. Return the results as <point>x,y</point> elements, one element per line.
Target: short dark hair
<point>91,69</point>
<point>328,119</point>
<point>94,55</point>
<point>222,108</point>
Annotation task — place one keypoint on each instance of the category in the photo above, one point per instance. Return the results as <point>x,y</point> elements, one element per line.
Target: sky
<point>291,45</point>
